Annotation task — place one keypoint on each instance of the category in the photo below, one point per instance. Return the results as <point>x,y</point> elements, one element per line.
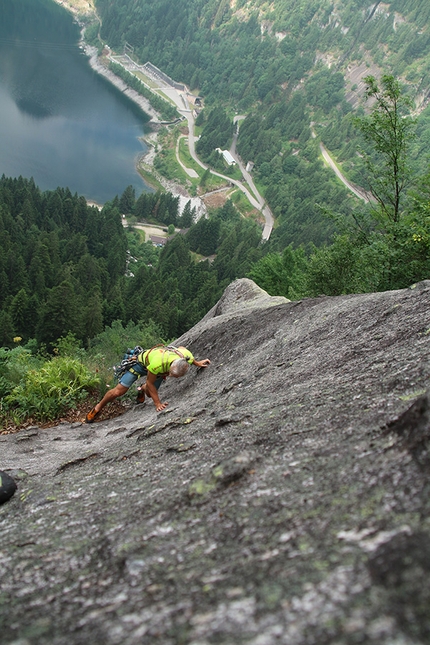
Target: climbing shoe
<point>140,395</point>
<point>92,414</point>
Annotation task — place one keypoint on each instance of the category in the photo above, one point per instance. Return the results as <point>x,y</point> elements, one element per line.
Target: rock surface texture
<point>281,498</point>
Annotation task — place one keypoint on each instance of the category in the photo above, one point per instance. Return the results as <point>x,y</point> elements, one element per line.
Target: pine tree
<point>187,216</point>
<point>60,314</point>
<point>19,311</point>
<point>127,200</point>
<point>93,318</point>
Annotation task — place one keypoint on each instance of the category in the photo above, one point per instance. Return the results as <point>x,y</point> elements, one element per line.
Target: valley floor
<point>82,9</point>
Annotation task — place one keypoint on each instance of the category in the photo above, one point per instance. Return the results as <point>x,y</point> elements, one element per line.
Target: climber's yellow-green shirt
<point>159,359</point>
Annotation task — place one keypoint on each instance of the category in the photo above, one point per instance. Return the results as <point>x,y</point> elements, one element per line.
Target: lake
<point>60,122</point>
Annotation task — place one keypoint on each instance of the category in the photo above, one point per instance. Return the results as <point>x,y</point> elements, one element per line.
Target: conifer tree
<point>127,200</point>
<point>19,311</point>
<point>60,314</point>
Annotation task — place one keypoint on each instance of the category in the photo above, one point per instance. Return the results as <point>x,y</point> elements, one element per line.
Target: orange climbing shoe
<point>91,416</point>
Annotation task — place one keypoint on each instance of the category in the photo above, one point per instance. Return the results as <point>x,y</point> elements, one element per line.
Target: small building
<point>197,101</point>
<point>157,240</point>
<point>227,156</point>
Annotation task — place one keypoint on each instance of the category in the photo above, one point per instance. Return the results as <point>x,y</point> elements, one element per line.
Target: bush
<point>44,388</point>
<point>14,364</point>
<point>45,393</point>
<point>108,347</point>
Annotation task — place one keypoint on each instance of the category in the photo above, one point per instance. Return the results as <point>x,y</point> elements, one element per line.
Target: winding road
<point>250,190</point>
<point>358,192</point>
<point>180,99</point>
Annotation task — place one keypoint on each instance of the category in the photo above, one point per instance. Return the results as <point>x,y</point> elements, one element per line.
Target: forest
<point>66,267</point>
<point>77,287</point>
<point>244,52</point>
<point>56,250</point>
<point>285,66</point>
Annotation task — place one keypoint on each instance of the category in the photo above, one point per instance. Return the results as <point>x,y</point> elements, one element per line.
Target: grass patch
<point>140,233</point>
<point>234,172</point>
<point>149,177</point>
<point>146,80</point>
<point>243,205</point>
<point>212,182</point>
<point>186,158</point>
<point>166,164</point>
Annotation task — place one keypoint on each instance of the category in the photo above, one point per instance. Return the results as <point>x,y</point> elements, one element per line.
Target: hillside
<point>286,65</point>
<point>208,44</point>
<point>281,498</point>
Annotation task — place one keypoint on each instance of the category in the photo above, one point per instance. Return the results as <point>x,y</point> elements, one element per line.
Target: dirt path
<point>359,192</point>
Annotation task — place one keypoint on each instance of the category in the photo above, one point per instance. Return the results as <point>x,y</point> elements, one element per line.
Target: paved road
<point>262,206</point>
<point>249,191</point>
<point>180,99</point>
<point>190,171</point>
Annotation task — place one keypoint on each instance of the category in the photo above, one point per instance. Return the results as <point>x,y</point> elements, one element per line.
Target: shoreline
<point>92,53</point>
<point>150,138</point>
<point>81,9</point>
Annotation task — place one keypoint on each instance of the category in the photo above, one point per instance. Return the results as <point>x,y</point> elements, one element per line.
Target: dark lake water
<point>60,122</point>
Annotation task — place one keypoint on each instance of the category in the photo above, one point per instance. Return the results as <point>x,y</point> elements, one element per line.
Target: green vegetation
<point>66,267</point>
<point>284,65</point>
<point>217,133</point>
<point>381,247</point>
<point>165,161</point>
<point>39,387</point>
<point>62,264</point>
<point>161,293</point>
<point>163,106</point>
<point>390,131</point>
<point>48,390</point>
<point>186,158</point>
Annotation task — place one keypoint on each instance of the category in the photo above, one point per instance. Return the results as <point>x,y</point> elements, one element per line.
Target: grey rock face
<point>281,498</point>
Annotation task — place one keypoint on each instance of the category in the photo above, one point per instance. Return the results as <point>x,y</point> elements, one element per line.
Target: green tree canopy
<point>389,129</point>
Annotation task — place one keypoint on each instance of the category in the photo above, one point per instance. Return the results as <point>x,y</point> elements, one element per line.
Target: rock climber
<point>156,364</point>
